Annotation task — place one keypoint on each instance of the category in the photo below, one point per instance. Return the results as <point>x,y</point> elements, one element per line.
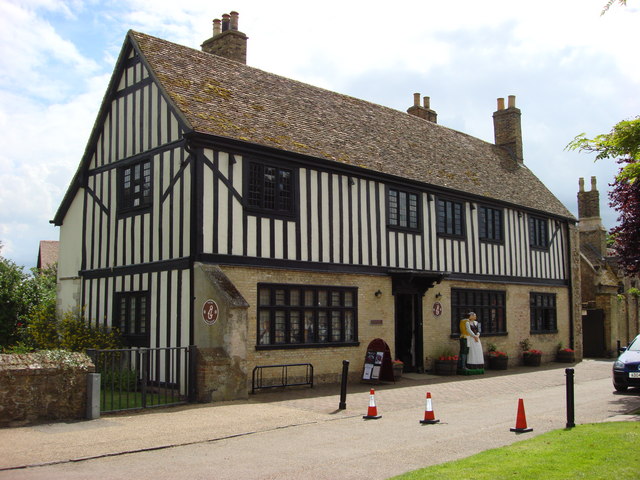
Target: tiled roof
<point>221,97</point>
<point>47,253</point>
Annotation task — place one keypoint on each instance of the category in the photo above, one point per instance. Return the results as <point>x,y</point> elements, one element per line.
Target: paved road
<point>299,433</point>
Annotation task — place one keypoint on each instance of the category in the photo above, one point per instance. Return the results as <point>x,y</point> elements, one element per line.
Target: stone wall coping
<point>45,361</point>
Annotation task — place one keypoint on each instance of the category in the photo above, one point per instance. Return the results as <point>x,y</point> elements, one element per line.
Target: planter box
<point>566,357</point>
<point>532,360</point>
<point>445,367</point>
<point>498,363</point>
<point>397,371</point>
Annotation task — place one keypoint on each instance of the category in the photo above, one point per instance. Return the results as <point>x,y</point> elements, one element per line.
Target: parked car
<point>626,369</point>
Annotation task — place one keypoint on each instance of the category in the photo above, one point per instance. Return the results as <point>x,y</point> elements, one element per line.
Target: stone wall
<point>47,385</point>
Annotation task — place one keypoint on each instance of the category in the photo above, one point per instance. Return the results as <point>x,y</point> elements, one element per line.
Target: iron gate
<point>133,378</point>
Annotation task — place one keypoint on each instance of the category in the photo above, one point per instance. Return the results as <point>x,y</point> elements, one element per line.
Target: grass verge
<point>593,451</point>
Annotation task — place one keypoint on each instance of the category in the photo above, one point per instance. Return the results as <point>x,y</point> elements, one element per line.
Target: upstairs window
<point>450,219</point>
<point>543,313</point>
<point>135,187</point>
<point>270,189</point>
<point>131,317</point>
<point>538,236</point>
<point>490,224</point>
<point>402,209</point>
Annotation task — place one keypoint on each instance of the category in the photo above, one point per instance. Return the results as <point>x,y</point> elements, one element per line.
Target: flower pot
<point>565,357</point>
<point>445,367</point>
<point>498,363</point>
<point>532,360</point>
<point>397,371</point>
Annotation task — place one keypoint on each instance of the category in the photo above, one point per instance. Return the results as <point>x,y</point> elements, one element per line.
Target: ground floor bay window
<point>303,315</point>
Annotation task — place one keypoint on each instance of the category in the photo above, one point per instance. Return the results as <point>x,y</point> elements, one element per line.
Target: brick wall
<point>43,386</point>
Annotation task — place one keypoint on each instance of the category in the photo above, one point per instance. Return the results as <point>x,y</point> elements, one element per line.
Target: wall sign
<point>210,312</point>
<point>437,309</point>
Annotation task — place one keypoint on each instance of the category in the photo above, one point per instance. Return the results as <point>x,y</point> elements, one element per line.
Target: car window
<point>635,345</point>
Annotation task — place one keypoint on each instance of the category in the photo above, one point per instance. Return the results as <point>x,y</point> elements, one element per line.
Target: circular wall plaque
<point>210,312</point>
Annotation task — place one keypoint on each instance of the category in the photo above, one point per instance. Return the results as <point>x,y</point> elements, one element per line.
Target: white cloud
<point>571,69</point>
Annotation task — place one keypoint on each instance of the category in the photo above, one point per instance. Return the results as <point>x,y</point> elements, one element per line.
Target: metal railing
<point>282,378</point>
<point>133,378</point>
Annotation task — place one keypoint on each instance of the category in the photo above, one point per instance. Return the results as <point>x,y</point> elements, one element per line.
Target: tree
<point>611,2</point>
<point>623,145</point>
<point>21,295</point>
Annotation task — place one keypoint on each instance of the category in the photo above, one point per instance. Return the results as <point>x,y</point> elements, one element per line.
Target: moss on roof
<point>221,97</point>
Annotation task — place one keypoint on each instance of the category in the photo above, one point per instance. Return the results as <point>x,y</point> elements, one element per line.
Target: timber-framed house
<point>316,222</point>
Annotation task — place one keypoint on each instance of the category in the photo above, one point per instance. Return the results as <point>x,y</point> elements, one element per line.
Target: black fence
<point>133,378</point>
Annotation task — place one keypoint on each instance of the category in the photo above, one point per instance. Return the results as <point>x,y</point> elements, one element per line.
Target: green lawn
<point>594,451</point>
<point>124,400</point>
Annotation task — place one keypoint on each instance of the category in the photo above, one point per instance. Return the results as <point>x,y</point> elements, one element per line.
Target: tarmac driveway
<point>300,433</point>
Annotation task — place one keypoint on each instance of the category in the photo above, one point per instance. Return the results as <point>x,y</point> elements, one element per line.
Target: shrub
<point>72,332</point>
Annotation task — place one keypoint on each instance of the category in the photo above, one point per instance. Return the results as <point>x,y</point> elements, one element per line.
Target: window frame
<point>543,313</point>
<point>308,320</point>
<point>442,222</point>
<point>255,201</point>
<point>536,225</point>
<point>492,317</point>
<point>138,334</point>
<point>394,215</point>
<point>126,198</point>
<point>484,221</point>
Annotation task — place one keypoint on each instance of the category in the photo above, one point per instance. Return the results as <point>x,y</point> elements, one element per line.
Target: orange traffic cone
<point>372,412</point>
<point>429,417</point>
<point>521,420</point>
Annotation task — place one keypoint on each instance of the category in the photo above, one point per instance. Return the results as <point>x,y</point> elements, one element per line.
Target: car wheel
<point>619,387</point>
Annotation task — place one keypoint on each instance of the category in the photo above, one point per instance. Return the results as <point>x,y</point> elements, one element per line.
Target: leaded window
<point>450,218</point>
<point>135,186</point>
<point>402,209</point>
<point>538,235</point>
<point>131,317</point>
<point>270,189</point>
<point>303,315</point>
<point>490,224</point>
<point>543,312</point>
<point>489,306</point>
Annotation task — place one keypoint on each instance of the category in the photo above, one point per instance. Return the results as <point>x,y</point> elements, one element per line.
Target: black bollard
<point>570,402</point>
<point>343,385</point>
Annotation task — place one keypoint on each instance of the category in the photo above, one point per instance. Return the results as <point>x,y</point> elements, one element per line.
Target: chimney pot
<point>581,184</point>
<point>426,102</point>
<point>416,99</point>
<point>234,20</point>
<point>593,183</point>
<point>512,101</point>
<point>501,104</point>
<point>227,41</point>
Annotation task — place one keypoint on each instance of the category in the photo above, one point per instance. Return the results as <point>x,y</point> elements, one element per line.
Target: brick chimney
<point>227,41</point>
<point>592,232</point>
<point>425,111</point>
<point>507,129</point>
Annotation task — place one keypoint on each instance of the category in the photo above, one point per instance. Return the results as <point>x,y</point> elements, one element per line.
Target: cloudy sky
<point>571,70</point>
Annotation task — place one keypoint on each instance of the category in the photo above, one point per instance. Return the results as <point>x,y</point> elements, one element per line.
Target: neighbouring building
<point>47,254</point>
<point>268,221</point>
<point>611,312</point>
